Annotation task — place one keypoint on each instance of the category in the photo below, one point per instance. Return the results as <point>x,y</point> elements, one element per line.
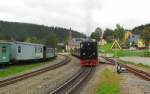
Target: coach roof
<point>24,43</point>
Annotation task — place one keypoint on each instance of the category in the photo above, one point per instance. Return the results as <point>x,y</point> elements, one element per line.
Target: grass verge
<point>109,84</point>
<point>12,70</point>
<point>121,53</point>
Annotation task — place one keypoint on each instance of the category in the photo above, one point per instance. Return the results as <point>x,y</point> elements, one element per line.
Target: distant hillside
<point>143,31</point>
<point>34,33</point>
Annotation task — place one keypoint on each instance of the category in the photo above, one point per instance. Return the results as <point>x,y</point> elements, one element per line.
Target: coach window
<point>41,50</point>
<point>4,49</point>
<point>19,49</point>
<point>35,49</point>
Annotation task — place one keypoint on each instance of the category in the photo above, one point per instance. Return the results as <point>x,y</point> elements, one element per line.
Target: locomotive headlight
<point>83,53</point>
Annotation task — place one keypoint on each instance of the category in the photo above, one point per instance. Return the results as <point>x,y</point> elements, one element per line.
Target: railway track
<point>69,86</point>
<point>34,73</point>
<point>140,73</point>
<point>111,62</point>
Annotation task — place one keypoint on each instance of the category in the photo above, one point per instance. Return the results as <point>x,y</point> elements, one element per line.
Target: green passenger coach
<point>17,52</point>
<point>11,52</point>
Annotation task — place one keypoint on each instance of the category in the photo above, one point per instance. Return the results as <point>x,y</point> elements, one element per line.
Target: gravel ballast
<point>93,82</point>
<point>44,83</point>
<point>132,84</point>
<point>51,62</point>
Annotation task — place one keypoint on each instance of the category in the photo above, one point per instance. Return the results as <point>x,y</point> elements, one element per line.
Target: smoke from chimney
<point>90,5</point>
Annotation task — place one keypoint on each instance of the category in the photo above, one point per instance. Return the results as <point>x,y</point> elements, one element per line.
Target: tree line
<point>118,33</point>
<point>34,33</point>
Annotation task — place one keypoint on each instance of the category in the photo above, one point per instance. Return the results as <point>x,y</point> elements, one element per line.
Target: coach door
<point>4,53</point>
<point>44,52</point>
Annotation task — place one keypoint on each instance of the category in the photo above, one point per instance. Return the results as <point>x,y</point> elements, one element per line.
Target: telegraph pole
<point>70,34</point>
<point>68,48</point>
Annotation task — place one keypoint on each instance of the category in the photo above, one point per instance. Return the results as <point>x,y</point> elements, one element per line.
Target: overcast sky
<point>81,15</point>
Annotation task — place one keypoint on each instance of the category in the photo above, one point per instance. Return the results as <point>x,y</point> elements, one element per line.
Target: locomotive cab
<point>88,52</point>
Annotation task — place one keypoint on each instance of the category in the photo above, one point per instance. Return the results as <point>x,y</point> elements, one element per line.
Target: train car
<point>20,51</point>
<point>12,52</point>
<point>86,50</point>
<point>28,51</point>
<point>88,53</point>
<point>48,53</point>
<point>74,46</point>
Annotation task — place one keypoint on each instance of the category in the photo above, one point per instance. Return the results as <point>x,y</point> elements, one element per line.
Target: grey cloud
<point>82,15</point>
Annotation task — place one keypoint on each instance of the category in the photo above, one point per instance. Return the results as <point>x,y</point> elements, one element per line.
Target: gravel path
<point>94,81</point>
<point>130,83</point>
<point>143,60</point>
<point>91,86</point>
<point>44,83</point>
<point>134,85</point>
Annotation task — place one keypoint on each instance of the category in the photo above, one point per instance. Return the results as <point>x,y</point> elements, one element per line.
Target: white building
<point>74,43</point>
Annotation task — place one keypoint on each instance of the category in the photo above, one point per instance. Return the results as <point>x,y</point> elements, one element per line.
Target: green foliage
<point>108,35</point>
<point>97,34</point>
<point>119,32</point>
<point>51,40</point>
<point>109,83</point>
<point>143,31</point>
<point>147,53</point>
<point>106,48</point>
<point>32,39</point>
<point>125,45</point>
<point>34,33</point>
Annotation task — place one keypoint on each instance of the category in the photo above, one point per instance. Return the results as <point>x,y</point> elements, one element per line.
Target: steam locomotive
<point>86,51</point>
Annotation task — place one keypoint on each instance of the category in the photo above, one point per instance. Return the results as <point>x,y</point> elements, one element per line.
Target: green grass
<point>121,53</point>
<point>12,70</point>
<point>109,83</point>
<point>138,64</point>
<point>106,48</point>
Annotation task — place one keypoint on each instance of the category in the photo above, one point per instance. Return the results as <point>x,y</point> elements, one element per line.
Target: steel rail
<point>109,60</point>
<point>15,79</point>
<point>140,73</point>
<point>69,86</point>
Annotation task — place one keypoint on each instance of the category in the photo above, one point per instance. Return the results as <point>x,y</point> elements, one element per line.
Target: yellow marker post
<point>116,46</point>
